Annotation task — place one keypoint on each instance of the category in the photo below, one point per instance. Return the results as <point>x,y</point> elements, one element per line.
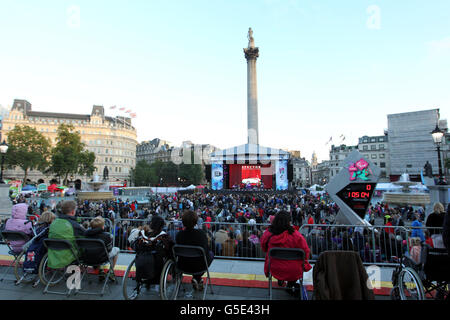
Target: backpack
<point>61,229</point>
<point>35,253</point>
<point>149,258</point>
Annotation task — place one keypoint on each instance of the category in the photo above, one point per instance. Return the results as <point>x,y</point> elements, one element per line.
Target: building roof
<point>250,152</point>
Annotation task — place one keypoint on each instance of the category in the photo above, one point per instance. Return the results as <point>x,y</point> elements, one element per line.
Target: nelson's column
<point>251,53</point>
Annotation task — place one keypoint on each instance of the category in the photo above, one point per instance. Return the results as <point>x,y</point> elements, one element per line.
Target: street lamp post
<point>437,135</point>
<point>3,150</point>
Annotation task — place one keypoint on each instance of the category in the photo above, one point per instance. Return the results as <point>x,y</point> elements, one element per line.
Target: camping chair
<point>285,254</point>
<point>96,245</point>
<point>57,245</point>
<point>186,251</point>
<point>340,275</point>
<point>9,236</point>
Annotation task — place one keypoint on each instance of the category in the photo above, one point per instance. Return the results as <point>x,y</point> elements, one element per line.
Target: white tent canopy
<point>386,186</point>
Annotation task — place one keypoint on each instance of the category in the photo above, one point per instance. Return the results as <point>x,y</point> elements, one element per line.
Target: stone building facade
<point>113,140</point>
<point>411,144</point>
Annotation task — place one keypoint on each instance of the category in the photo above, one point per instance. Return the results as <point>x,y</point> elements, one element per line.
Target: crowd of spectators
<point>234,223</point>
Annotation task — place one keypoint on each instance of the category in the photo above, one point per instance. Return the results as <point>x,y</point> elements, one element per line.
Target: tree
<point>68,156</point>
<point>28,149</point>
<point>140,175</point>
<point>192,173</point>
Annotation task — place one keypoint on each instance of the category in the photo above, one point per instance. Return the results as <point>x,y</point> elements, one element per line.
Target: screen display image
<point>250,176</point>
<point>217,176</point>
<point>357,196</point>
<point>281,169</point>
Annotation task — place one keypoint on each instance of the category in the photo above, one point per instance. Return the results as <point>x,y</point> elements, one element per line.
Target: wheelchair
<point>131,288</point>
<point>172,275</point>
<point>429,279</point>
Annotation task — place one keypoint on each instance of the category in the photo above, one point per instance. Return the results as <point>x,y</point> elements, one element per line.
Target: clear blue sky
<point>326,68</point>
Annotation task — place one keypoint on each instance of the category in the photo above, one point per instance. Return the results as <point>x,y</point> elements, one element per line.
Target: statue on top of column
<point>251,40</point>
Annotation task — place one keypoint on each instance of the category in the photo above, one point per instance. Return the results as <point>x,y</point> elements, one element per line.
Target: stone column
<point>251,53</point>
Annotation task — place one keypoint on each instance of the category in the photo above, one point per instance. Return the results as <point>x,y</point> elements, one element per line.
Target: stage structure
<point>352,188</point>
<point>250,166</point>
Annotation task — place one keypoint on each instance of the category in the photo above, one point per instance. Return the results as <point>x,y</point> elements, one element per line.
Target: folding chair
<point>186,251</point>
<point>95,245</point>
<point>58,245</point>
<point>285,254</point>
<point>9,236</point>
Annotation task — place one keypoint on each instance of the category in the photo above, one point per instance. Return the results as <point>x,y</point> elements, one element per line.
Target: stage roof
<point>249,152</point>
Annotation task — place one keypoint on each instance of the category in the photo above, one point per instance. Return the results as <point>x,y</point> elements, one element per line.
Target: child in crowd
<point>415,248</point>
<point>97,232</point>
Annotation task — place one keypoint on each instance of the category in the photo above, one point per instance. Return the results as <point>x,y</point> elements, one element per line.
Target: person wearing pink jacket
<point>17,222</point>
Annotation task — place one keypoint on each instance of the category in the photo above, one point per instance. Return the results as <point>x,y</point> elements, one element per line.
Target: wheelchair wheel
<point>170,281</point>
<point>410,285</point>
<point>395,293</point>
<point>130,288</point>
<point>21,276</point>
<point>48,275</point>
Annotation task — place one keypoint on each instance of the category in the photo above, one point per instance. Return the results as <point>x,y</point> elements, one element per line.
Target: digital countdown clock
<point>357,196</point>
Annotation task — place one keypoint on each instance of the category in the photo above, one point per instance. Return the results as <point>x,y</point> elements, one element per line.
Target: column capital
<point>251,53</point>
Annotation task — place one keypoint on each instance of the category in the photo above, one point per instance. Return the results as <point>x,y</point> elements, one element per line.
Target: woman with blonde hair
<point>436,218</point>
<point>434,221</point>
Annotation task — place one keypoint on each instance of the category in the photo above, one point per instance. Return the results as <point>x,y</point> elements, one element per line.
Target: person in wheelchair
<point>19,222</point>
<point>97,231</point>
<point>153,247</point>
<point>193,237</point>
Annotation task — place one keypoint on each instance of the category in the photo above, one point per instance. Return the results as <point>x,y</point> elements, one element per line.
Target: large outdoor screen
<point>281,175</point>
<point>217,176</point>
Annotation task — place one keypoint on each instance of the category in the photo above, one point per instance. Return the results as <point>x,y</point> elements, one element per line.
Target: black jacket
<point>446,231</point>
<point>98,254</point>
<point>193,237</point>
<point>435,220</point>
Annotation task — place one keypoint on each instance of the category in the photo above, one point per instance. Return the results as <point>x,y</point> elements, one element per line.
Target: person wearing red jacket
<point>281,234</point>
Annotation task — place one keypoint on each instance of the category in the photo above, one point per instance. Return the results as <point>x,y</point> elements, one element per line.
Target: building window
<point>381,146</point>
<point>373,140</point>
<point>382,155</point>
<point>373,147</point>
<point>365,147</point>
<point>382,164</point>
<point>373,156</point>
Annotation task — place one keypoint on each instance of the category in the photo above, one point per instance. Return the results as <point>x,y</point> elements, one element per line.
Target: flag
<point>123,108</point>
<point>113,107</point>
<point>331,138</point>
<point>133,115</point>
<point>128,111</point>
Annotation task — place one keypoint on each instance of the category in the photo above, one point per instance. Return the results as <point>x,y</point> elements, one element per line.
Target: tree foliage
<point>166,174</point>
<point>68,156</point>
<point>28,149</point>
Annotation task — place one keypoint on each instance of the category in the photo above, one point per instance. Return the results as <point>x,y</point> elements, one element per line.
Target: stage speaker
<point>290,170</point>
<point>208,172</point>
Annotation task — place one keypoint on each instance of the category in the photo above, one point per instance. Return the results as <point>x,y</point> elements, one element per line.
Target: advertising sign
<point>217,176</point>
<point>281,175</point>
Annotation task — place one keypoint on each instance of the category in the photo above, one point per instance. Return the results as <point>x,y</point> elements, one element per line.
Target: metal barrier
<point>375,244</point>
<point>241,241</point>
<point>238,241</point>
<point>122,229</point>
